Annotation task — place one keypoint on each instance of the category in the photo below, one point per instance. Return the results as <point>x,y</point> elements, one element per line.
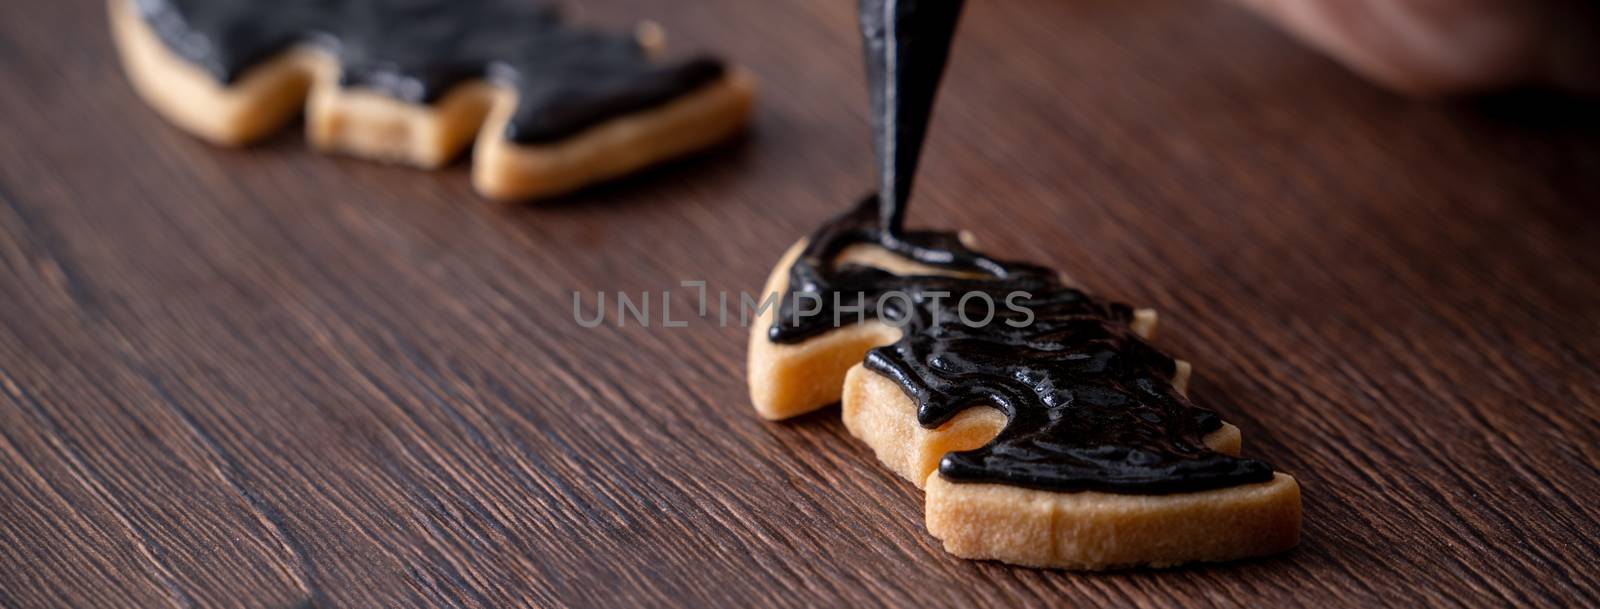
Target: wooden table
<point>267,378</point>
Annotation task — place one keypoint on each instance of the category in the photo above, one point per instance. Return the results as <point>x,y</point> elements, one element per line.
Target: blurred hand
<point>1440,47</point>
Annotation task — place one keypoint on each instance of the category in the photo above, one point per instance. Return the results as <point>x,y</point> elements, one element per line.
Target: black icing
<point>1090,405</point>
<point>415,50</point>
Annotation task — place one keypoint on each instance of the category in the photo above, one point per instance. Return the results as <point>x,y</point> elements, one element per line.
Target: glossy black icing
<point>1090,405</point>
<point>415,50</point>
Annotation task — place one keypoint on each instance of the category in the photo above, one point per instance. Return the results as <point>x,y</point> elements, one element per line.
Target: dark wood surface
<point>267,378</point>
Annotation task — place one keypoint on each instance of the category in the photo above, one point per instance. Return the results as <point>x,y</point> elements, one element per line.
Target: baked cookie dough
<point>551,108</point>
<point>1065,443</point>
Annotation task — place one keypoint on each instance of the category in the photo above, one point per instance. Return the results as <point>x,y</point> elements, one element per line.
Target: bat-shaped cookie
<point>552,108</point>
<point>1043,427</point>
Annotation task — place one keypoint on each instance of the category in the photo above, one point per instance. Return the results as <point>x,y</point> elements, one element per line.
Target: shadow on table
<point>1540,111</point>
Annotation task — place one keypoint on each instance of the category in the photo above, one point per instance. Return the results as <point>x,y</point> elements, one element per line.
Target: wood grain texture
<point>267,378</point>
